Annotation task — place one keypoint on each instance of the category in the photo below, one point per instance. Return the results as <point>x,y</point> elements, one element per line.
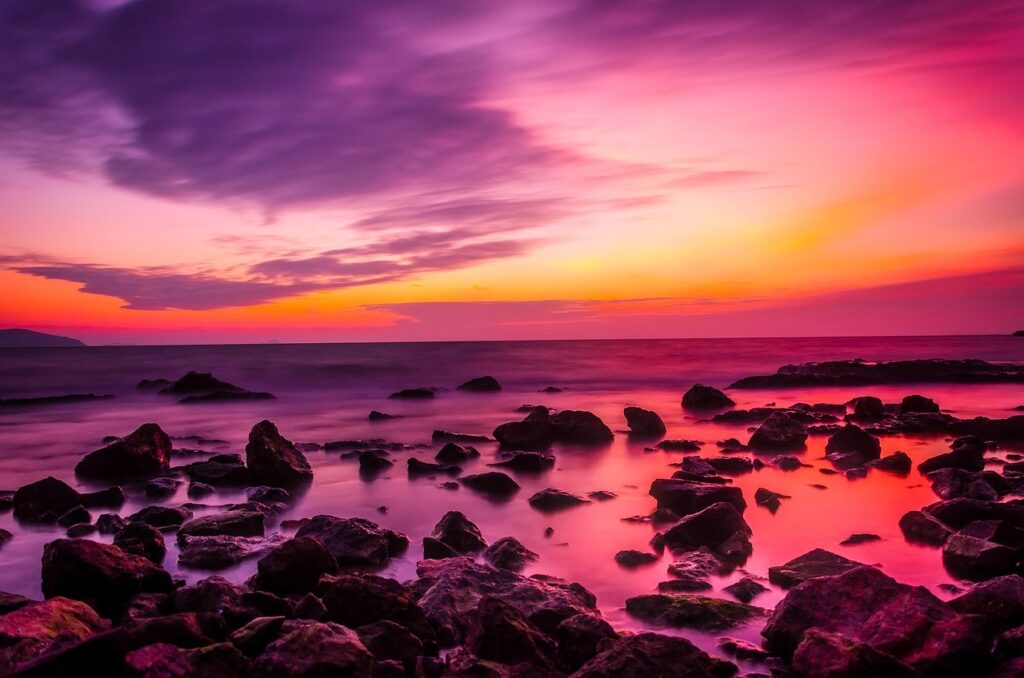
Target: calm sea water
<point>324,393</point>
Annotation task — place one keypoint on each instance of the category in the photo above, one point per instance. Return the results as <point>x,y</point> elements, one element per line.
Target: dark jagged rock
<point>101,575</point>
<point>232,523</point>
<point>44,500</point>
<point>272,459</point>
<point>867,408</point>
<point>309,648</point>
<point>439,436</point>
<point>634,558</point>
<point>529,434</point>
<point>162,488</point>
<point>862,373</point>
<point>897,462</point>
<point>643,422</point>
<point>787,463</point>
<point>680,445</point>
<point>1000,600</point>
<point>509,554</point>
<point>142,540</point>
<point>35,628</point>
<point>161,516</point>
<point>413,394</point>
<point>780,431</point>
<point>387,640</point>
<point>110,523</point>
<point>492,483</point>
<point>977,559</point>
<point>294,567</point>
<point>811,565</point>
<point>220,471</point>
<point>359,599</point>
<point>745,590</point>
<point>950,483</point>
<point>918,403</point>
<point>821,653</point>
<point>852,446</point>
<point>685,497</point>
<point>503,634</point>
<point>652,654</point>
<point>435,549</point>
<point>53,400</point>
<point>701,397</point>
<point>693,568</point>
<point>552,499</point>
<point>581,637</point>
<point>146,452</point>
<point>691,611</point>
<point>459,532</point>
<point>580,427</point>
<point>719,527</point>
<point>481,385</point>
<point>921,528</point>
<point>527,462</point>
<point>424,468</point>
<point>74,516</point>
<point>267,495</point>
<point>770,500</point>
<point>453,453</point>
<point>218,551</point>
<point>198,383</point>
<point>355,542</point>
<point>731,465</point>
<point>958,513</point>
<point>967,458</point>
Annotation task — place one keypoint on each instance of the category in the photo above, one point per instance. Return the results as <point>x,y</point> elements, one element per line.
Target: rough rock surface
<point>355,542</point>
<point>146,452</point>
<point>701,397</point>
<point>814,563</point>
<point>643,422</point>
<point>780,431</point>
<point>272,459</point>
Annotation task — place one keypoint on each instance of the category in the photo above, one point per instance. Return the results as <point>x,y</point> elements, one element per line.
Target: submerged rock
<point>355,542</point>
<point>146,452</point>
<point>44,500</point>
<point>701,397</point>
<point>862,373</point>
<point>918,403</point>
<point>214,552</point>
<point>897,462</point>
<point>481,385</point>
<point>493,483</point>
<point>745,590</point>
<point>222,470</point>
<point>413,394</point>
<point>273,459</point>
<point>142,540</point>
<point>691,611</point>
<point>509,554</point>
<point>634,558</point>
<point>975,558</point>
<point>161,516</point>
<point>459,532</point>
<point>684,497</point>
<point>780,431</point>
<point>453,453</point>
<point>233,523</point>
<point>813,564</point>
<point>921,528</point>
<point>439,436</point>
<point>580,427</point>
<point>552,499</point>
<point>527,462</point>
<point>423,468</point>
<point>643,422</point>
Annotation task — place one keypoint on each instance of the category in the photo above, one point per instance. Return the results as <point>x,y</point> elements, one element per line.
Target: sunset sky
<point>178,171</point>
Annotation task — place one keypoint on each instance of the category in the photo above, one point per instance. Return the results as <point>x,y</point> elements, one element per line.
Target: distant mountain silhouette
<point>16,338</point>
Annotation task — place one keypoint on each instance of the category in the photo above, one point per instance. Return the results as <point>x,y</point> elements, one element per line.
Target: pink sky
<point>321,171</point>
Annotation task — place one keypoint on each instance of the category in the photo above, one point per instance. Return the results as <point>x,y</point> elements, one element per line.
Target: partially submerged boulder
<point>273,459</point>
<point>146,452</point>
<point>813,564</point>
<point>684,497</point>
<point>551,499</point>
<point>645,423</point>
<point>652,654</point>
<point>294,567</point>
<point>508,553</point>
<point>355,542</point>
<point>234,523</point>
<point>492,483</point>
<point>719,527</point>
<point>527,462</point>
<point>481,385</point>
<point>852,446</point>
<point>691,611</point>
<point>460,533</point>
<point>781,431</point>
<point>44,500</point>
<point>701,397</point>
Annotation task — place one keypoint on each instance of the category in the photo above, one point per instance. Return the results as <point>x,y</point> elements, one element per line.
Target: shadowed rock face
<point>146,452</point>
<point>355,542</point>
<point>644,422</point>
<point>861,373</point>
<point>652,654</point>
<point>781,431</point>
<point>701,397</point>
<point>273,459</point>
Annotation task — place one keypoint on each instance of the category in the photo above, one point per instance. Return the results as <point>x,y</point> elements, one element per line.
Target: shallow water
<point>324,393</point>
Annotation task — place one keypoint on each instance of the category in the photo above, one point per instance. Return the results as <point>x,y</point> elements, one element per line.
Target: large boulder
<point>218,551</point>
<point>527,462</point>
<point>355,542</point>
<point>652,654</point>
<point>581,637</point>
<point>143,540</point>
<point>780,431</point>
<point>534,433</point>
<point>358,599</point>
<point>273,459</point>
<point>867,408</point>
<point>719,527</point>
<point>701,397</point>
<point>919,527</point>
<point>1000,600</point>
<point>865,605</point>
<point>976,558</point>
<point>222,470</point>
<point>580,427</point>
<point>503,634</point>
<point>684,497</point>
<point>294,567</point>
<point>40,627</point>
<point>918,404</point>
<point>309,648</point>
<point>44,501</point>
<point>460,533</point>
<point>101,575</point>
<point>950,483</point>
<point>852,446</point>
<point>814,563</point>
<point>145,453</point>
<point>645,423</point>
<point>967,457</point>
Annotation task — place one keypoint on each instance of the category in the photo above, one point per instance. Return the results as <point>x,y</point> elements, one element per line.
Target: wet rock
<point>681,445</point>
<point>742,649</point>
<point>787,463</point>
<point>581,637</point>
<point>268,495</point>
<point>780,431</point>
<point>697,466</point>
<point>142,540</point>
<point>745,590</point>
<point>492,483</point>
<point>918,403</point>
<point>453,453</point>
<point>310,607</point>
<point>768,499</point>
<point>36,628</point>
<point>215,552</point>
<point>732,445</point>
<point>822,654</point>
<point>602,495</point>
<point>1000,600</point>
<point>198,383</point>
<point>111,497</point>
<point>449,485</point>
<point>719,527</point>
<point>950,483</point>
<point>527,462</point>
<point>643,422</point>
<point>852,446</point>
<point>811,565</point>
<point>272,459</point>
<point>652,654</point>
<point>110,523</point>
<point>691,611</point>
<point>957,513</point>
<point>685,497</point>
<point>146,452</point>
<point>413,394</point>
<point>684,585</point>
<point>503,634</point>
<point>897,462</point>
<point>920,528</point>
<point>698,565</point>
<point>294,567</point>
<point>222,470</point>
<point>867,408</point>
<point>74,532</point>
<point>435,549</point>
<point>254,637</point>
<point>509,554</point>
<point>481,385</point>
<point>44,500</point>
<point>234,523</point>
<point>530,434</point>
<point>580,427</point>
<point>634,558</point>
<point>439,436</point>
<point>387,640</point>
<point>977,559</point>
<point>371,461</point>
<point>860,538</point>
<point>308,648</point>
<point>355,542</point>
<point>731,465</point>
<point>161,516</point>
<point>101,575</point>
<point>74,516</point>
<point>359,599</point>
<point>161,488</point>
<point>422,468</point>
<point>967,458</point>
<point>379,416</point>
<point>459,532</point>
<point>861,373</point>
<point>701,397</point>
<point>552,499</point>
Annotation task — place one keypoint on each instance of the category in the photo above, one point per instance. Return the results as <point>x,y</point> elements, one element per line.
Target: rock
<point>294,567</point>
<point>493,483</point>
<point>602,495</point>
<point>652,654</point>
<point>1000,600</point>
<point>74,516</point>
<point>859,538</point>
<point>634,558</point>
<point>787,463</point>
<point>355,542</point>
<point>198,383</point>
<point>453,453</point>
<point>509,554</point>
<point>581,637</point>
<point>439,436</point>
<point>681,445</point>
<point>811,565</point>
<point>161,516</point>
<point>551,499</point>
<point>435,549</point>
<point>867,408</point>
<point>719,527</point>
<point>967,458</point>
<point>822,654</point>
<point>153,384</point>
<point>309,648</point>
<point>957,513</point>
<point>215,552</point>
<point>379,416</point>
<point>685,497</point>
<point>501,633</point>
<point>142,540</point>
<point>234,523</point>
<point>101,575</point>
<point>745,590</point>
<point>421,468</point>
<point>110,523</point>
<point>268,495</point>
<point>580,428</point>
<point>920,528</point>
<point>530,434</point>
<point>780,431</point>
<point>770,500</point>
<point>44,500</point>
<point>387,640</point>
<point>733,466</point>
<point>36,628</point>
<point>852,446</point>
<point>161,488</point>
<point>456,585</point>
<point>862,373</point>
<point>413,394</point>
<point>273,459</point>
<point>897,462</point>
<point>220,471</point>
<point>691,611</point>
<point>644,423</point>
<point>918,403</point>
<point>481,385</point>
<point>12,601</point>
<point>310,607</point>
<point>200,490</point>
<point>977,559</point>
<point>701,397</point>
<point>742,649</point>
<point>869,607</point>
<point>359,599</point>
<point>372,462</point>
<point>696,566</point>
<point>950,483</point>
<point>459,532</point>
<point>74,532</point>
<point>527,462</point>
<point>146,452</point>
